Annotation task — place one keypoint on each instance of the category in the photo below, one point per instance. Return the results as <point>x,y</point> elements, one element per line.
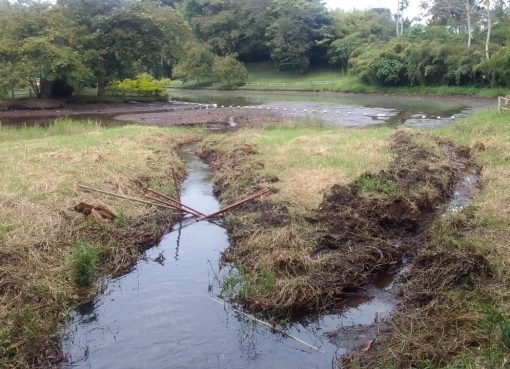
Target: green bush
<point>143,85</point>
<point>85,259</point>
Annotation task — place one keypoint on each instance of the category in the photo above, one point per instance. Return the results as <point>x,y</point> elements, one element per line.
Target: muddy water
<point>166,313</point>
<point>350,110</point>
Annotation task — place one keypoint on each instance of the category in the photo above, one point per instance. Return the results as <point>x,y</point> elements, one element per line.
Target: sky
<point>411,12</point>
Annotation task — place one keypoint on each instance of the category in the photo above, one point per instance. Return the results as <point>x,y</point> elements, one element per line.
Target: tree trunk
<point>489,28</point>
<point>398,17</point>
<point>470,30</point>
<point>101,86</point>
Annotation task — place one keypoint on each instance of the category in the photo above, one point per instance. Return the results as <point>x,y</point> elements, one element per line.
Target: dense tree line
<point>57,48</point>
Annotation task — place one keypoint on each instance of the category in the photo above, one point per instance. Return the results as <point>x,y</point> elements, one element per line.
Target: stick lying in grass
<point>90,189</point>
<point>263,192</point>
<point>173,206</point>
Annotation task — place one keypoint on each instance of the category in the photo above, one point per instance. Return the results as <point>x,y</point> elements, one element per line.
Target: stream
<point>165,312</point>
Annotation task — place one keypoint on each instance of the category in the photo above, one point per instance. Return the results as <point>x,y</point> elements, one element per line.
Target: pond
<point>352,110</point>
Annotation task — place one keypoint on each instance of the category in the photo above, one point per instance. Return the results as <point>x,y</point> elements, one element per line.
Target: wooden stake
<point>239,203</point>
<point>193,211</point>
<point>125,197</point>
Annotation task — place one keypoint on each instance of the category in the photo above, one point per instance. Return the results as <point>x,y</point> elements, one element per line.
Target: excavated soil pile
<point>371,223</point>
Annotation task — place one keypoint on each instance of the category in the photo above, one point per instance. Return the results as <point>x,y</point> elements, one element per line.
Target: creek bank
<point>293,264</point>
<point>167,306</point>
<point>48,248</point>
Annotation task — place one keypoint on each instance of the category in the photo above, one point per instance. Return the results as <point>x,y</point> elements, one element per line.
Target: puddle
<point>166,313</point>
<point>463,193</point>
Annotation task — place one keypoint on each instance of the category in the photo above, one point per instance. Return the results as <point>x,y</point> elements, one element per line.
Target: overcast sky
<point>411,12</point>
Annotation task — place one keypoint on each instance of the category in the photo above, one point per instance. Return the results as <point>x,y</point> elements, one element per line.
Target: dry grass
<point>38,190</point>
<point>308,161</point>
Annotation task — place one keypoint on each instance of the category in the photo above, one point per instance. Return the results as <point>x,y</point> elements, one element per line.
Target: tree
<point>231,26</point>
<point>299,27</point>
<point>402,5</point>
<point>122,38</point>
<point>38,49</point>
<point>196,63</point>
<point>452,13</point>
<point>487,4</point>
<point>229,70</point>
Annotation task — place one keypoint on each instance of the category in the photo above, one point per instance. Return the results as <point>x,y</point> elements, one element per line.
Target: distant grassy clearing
<point>48,250</point>
<point>344,82</point>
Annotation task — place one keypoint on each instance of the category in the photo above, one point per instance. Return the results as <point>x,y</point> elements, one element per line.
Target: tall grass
<point>60,127</point>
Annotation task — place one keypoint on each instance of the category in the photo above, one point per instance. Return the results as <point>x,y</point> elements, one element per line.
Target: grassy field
<point>309,161</point>
<point>343,82</point>
<point>52,255</point>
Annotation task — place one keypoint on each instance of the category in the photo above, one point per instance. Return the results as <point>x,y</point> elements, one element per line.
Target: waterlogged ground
<point>166,313</point>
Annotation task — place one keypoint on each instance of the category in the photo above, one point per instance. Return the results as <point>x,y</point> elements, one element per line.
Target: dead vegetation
<point>51,254</point>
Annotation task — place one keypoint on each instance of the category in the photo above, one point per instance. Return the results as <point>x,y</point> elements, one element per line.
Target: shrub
<point>143,85</point>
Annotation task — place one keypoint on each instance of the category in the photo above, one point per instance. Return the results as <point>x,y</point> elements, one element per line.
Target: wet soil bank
<point>105,111</point>
<point>293,267</point>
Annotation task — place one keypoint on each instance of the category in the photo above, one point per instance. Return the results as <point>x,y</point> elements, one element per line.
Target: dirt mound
<point>370,224</point>
<point>394,203</point>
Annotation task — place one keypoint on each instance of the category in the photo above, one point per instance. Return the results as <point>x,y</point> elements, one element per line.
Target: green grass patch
<point>266,72</point>
<point>370,183</point>
<point>84,262</point>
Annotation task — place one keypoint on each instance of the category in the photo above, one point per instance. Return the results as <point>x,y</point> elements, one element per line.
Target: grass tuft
<point>85,260</point>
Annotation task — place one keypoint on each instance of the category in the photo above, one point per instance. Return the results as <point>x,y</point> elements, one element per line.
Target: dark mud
<point>104,112</point>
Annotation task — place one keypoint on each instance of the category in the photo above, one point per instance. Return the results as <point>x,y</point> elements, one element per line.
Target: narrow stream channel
<point>165,313</point>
